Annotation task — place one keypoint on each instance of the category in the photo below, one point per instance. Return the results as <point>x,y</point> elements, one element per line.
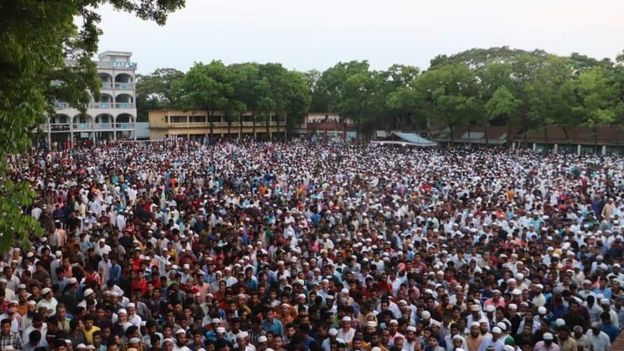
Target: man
<point>547,344</point>
<point>346,333</point>
<point>37,324</point>
<point>495,342</point>
<point>62,319</point>
<point>608,327</point>
<point>582,342</point>
<point>598,339</point>
<point>273,325</point>
<point>331,338</point>
<point>242,342</point>
<point>48,302</point>
<point>565,342</point>
<point>34,341</point>
<point>474,339</point>
<point>11,313</point>
<point>181,340</point>
<point>8,338</point>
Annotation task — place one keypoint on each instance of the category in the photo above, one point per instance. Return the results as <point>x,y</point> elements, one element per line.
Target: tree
<point>501,104</point>
<point>398,101</point>
<point>157,91</point>
<point>206,87</point>
<point>550,95</point>
<point>597,97</point>
<point>448,95</point>
<point>36,40</point>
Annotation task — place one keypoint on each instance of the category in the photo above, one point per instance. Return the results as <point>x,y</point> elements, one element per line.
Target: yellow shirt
<point>89,334</point>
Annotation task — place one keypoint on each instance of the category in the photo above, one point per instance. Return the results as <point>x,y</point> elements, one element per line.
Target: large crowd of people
<point>315,246</point>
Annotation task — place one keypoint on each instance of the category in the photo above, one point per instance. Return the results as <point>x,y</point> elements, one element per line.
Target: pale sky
<point>317,34</point>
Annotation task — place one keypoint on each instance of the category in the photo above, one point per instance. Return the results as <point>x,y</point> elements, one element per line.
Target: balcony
<point>59,127</point>
<point>118,86</point>
<point>116,64</point>
<point>83,126</point>
<point>128,125</point>
<point>109,105</point>
<point>103,125</point>
<point>61,105</point>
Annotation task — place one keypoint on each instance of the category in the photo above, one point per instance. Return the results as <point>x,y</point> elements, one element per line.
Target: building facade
<point>111,116</point>
<point>166,124</point>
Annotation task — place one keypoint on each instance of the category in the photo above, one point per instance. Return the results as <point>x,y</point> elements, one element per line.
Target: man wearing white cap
<point>346,332</point>
<point>181,340</point>
<point>539,299</point>
<point>102,248</point>
<point>48,302</point>
<point>243,343</point>
<point>474,340</point>
<point>133,317</point>
<point>547,344</point>
<point>332,335</point>
<point>606,307</point>
<point>496,341</point>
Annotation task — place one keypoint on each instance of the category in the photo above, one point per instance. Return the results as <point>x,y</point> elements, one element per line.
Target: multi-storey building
<point>111,116</point>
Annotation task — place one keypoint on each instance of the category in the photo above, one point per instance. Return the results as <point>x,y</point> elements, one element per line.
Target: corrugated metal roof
<point>414,138</point>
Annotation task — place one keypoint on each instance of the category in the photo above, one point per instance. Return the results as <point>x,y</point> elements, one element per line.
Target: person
<point>598,339</point>
<point>7,337</point>
<point>314,244</point>
<point>607,327</point>
<point>35,341</point>
<point>565,342</point>
<point>582,341</point>
<point>547,344</point>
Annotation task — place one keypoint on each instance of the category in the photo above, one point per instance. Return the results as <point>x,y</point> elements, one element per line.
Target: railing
<point>103,125</point>
<point>83,126</point>
<point>121,86</point>
<point>59,127</point>
<point>234,124</point>
<point>61,105</point>
<point>116,64</point>
<point>110,105</point>
<point>126,105</point>
<point>124,125</point>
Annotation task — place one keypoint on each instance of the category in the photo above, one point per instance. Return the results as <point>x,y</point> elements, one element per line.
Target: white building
<point>110,117</point>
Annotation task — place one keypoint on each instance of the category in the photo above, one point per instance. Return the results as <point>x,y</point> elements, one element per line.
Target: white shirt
<point>598,342</point>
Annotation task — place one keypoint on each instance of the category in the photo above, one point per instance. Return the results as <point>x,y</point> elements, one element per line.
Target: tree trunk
<point>211,125</point>
<point>240,126</point>
<point>487,138</point>
<point>452,137</point>
<point>253,125</point>
<point>268,125</point>
<point>277,121</point>
<point>596,148</point>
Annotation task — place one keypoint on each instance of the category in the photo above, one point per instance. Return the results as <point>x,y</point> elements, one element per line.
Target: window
<point>214,119</point>
<point>198,119</point>
<point>177,119</point>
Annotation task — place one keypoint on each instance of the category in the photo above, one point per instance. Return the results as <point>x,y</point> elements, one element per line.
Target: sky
<point>306,35</point>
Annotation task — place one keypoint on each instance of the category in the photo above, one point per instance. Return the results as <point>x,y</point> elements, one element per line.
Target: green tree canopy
<point>47,48</point>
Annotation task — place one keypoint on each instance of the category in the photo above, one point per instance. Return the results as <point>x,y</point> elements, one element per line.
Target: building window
<point>214,119</point>
<point>177,119</point>
<point>198,119</point>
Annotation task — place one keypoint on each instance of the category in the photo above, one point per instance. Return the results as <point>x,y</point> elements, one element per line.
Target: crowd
<point>333,247</point>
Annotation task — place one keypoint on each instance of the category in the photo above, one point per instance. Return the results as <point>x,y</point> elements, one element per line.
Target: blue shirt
<point>275,327</point>
<point>610,330</point>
